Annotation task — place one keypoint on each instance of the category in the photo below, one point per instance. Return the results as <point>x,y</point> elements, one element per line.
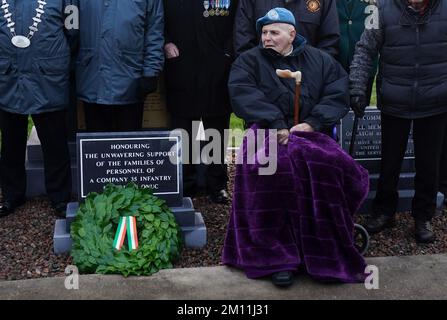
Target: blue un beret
<point>275,15</point>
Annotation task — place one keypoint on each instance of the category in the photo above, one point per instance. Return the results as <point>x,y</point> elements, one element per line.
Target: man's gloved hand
<point>358,105</point>
<point>149,84</point>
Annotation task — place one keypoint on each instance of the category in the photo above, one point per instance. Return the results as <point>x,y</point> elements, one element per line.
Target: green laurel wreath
<point>96,222</point>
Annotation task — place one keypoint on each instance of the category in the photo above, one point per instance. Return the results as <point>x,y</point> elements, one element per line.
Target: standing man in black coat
<point>411,92</point>
<point>317,21</point>
<point>198,57</point>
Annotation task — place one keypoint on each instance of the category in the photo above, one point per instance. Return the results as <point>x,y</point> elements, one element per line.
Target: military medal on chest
<point>21,41</point>
<point>218,8</point>
<point>217,11</point>
<point>212,4</point>
<point>206,5</point>
<point>226,4</point>
<point>223,11</point>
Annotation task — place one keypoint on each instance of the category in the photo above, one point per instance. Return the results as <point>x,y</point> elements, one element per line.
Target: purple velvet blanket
<point>300,218</point>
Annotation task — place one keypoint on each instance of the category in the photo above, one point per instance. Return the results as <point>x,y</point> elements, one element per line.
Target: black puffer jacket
<point>412,78</point>
<point>412,81</point>
<point>259,96</point>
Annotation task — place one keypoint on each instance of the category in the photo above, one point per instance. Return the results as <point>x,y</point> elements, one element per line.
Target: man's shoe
<point>60,209</point>
<point>220,197</point>
<point>379,222</point>
<point>282,278</point>
<point>423,231</point>
<point>7,207</point>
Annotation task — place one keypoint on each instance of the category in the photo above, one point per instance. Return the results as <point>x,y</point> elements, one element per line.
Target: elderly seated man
<point>299,218</point>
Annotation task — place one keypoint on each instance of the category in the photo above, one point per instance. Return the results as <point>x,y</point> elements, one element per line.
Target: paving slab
<point>405,277</point>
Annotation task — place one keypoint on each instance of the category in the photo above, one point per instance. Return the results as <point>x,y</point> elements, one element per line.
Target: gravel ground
<point>26,249</point>
<point>26,243</point>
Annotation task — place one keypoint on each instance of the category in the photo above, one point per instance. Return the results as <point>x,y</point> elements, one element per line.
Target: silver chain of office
<point>21,41</point>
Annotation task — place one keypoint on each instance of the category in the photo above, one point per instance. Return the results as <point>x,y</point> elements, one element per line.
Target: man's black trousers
<point>113,118</point>
<point>51,130</point>
<point>216,173</point>
<point>428,136</point>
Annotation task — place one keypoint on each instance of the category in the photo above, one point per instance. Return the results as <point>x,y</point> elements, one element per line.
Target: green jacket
<point>352,15</point>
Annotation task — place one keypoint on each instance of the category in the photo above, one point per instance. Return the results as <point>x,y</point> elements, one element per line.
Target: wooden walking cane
<point>297,76</point>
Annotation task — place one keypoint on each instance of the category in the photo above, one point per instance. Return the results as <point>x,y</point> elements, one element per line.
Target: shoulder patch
<point>313,5</point>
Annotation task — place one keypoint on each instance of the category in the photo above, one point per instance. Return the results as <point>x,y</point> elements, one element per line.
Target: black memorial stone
<point>150,159</point>
<point>367,146</point>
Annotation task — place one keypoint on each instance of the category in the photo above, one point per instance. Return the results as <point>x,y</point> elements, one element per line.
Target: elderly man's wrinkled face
<point>279,37</point>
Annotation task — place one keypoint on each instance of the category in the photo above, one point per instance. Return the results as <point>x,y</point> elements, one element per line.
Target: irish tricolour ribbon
<point>127,225</point>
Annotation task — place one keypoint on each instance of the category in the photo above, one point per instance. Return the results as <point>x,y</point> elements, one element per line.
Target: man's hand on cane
<point>283,136</point>
<point>303,127</point>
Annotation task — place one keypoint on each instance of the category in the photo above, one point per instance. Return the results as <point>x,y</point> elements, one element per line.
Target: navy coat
<point>121,41</point>
<point>36,79</point>
<point>259,96</point>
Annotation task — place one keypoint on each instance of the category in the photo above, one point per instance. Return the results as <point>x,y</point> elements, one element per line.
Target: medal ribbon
<point>226,5</point>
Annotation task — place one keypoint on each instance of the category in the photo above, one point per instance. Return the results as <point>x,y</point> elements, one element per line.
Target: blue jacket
<point>121,41</point>
<point>36,79</point>
<point>259,96</point>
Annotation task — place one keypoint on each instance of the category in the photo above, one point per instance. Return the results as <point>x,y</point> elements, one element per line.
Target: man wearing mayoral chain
<point>35,51</point>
